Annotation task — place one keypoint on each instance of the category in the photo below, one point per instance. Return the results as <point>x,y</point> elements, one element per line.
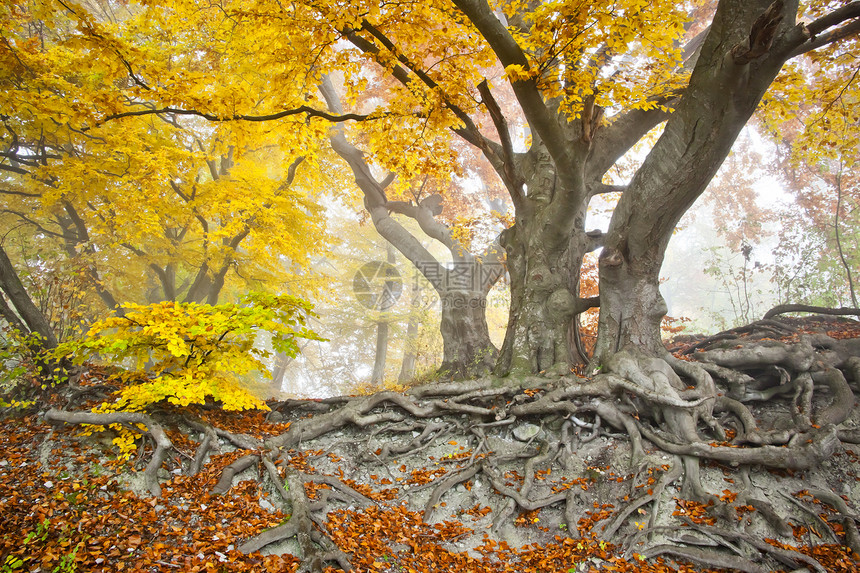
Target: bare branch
<point>515,182</point>
<point>303,109</point>
<point>540,117</point>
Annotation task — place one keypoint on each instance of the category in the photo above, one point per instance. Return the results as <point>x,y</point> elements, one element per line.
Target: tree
<point>162,196</point>
<point>462,287</point>
<point>816,158</point>
<point>589,80</point>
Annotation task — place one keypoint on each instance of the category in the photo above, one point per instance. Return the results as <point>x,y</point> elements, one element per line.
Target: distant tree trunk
<point>462,289</point>
<point>845,264</point>
<point>382,329</point>
<point>378,374</point>
<point>280,370</point>
<point>407,365</point>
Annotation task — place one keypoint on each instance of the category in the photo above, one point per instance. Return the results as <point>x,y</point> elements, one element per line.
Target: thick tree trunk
<point>543,305</point>
<point>544,251</point>
<point>736,65</point>
<point>631,307</point>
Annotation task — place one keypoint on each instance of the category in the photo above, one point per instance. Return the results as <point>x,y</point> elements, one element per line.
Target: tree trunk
<point>544,304</point>
<point>282,360</point>
<point>465,338</point>
<point>544,248</point>
<point>462,289</point>
<point>11,285</point>
<point>407,365</point>
<point>631,306</point>
<point>725,88</point>
<point>378,374</point>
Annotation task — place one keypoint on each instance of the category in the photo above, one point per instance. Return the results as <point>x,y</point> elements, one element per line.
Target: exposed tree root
<point>786,308</point>
<point>799,455</point>
<point>444,486</point>
<point>707,558</point>
<point>240,465</point>
<point>317,549</point>
<point>849,518</point>
<point>742,401</point>
<point>163,444</point>
<point>649,496</point>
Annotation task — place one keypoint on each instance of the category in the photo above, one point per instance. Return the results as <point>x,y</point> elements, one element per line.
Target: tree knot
<point>761,35</point>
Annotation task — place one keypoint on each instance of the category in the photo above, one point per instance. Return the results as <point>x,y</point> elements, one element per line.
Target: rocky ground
<point>403,486</point>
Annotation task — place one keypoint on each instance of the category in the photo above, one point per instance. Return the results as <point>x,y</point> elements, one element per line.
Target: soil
<point>401,483</point>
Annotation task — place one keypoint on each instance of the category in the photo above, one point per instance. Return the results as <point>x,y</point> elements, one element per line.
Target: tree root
<point>162,443</point>
<point>623,422</point>
<point>708,558</point>
<point>760,328</point>
<point>842,398</point>
<point>849,518</point>
<point>354,412</point>
<point>209,439</point>
<point>338,485</point>
<point>822,525</point>
<point>611,528</point>
<point>749,432</point>
<point>784,308</point>
<point>675,399</point>
<point>428,435</point>
<point>446,484</point>
<point>798,357</point>
<point>300,526</point>
<point>226,481</point>
<point>820,445</point>
<point>789,558</point>
<point>279,533</point>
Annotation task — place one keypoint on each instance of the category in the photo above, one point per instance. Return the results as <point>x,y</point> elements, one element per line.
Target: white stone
<point>526,432</point>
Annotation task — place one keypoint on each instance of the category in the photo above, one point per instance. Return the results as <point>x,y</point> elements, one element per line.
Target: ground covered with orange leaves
<point>419,482</point>
<point>67,505</point>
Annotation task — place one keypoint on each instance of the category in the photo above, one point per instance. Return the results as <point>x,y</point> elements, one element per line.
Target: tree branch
<point>13,169</point>
<point>303,109</point>
<point>540,117</point>
<point>470,132</point>
<point>375,200</point>
<point>514,180</point>
<point>804,38</point>
<point>422,215</point>
<point>19,193</point>
<point>846,31</point>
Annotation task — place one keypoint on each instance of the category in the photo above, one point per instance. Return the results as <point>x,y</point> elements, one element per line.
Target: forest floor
<point>402,495</point>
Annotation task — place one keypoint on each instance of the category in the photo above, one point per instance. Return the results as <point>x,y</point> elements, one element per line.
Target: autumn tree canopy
<point>189,144</point>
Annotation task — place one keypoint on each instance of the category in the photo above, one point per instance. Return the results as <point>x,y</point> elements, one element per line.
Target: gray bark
<point>733,70</point>
<point>407,365</point>
<point>382,330</point>
<point>30,315</point>
<point>462,289</point>
<point>378,374</point>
